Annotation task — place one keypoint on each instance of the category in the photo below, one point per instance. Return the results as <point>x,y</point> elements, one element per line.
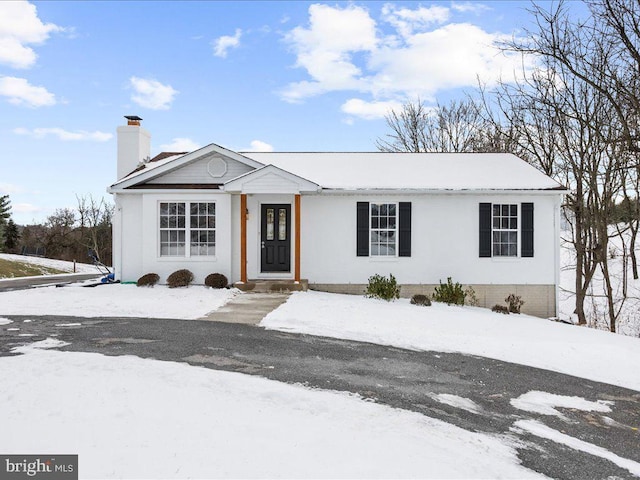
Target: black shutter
<point>526,232</point>
<point>362,226</point>
<point>485,229</point>
<point>404,229</point>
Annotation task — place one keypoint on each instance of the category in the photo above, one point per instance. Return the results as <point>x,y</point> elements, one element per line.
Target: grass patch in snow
<point>15,269</point>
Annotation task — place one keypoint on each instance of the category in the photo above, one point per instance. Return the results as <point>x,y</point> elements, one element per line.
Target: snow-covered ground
<point>48,262</point>
<point>128,417</point>
<point>628,322</point>
<point>189,422</point>
<point>116,300</point>
<point>478,331</point>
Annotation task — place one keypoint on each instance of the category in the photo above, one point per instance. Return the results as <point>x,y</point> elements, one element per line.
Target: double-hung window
<point>505,230</point>
<point>384,232</point>
<point>198,227</point>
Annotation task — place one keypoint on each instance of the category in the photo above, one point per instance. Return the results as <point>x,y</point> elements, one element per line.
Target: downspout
<point>557,231</point>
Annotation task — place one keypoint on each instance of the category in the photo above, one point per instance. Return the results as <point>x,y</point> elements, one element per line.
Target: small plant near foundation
<point>419,299</point>
<point>515,303</point>
<point>449,293</point>
<point>383,287</point>
<point>216,280</point>
<point>500,309</point>
<point>148,280</point>
<point>471,298</point>
<point>180,278</point>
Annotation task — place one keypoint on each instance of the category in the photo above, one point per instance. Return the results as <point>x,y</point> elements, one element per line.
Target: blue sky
<point>283,76</point>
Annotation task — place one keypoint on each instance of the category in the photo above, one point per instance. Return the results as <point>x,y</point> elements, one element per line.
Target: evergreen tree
<point>5,208</point>
<point>11,236</point>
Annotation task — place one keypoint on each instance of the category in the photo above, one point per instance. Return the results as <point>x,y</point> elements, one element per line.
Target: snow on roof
<point>420,171</point>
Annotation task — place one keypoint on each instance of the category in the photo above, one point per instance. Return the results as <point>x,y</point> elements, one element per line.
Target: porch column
<point>297,237</point>
<point>243,238</point>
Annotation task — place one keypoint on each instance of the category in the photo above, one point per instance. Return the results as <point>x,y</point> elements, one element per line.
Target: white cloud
<point>65,135</point>
<point>180,144</point>
<point>8,188</point>
<point>325,49</point>
<point>20,92</point>
<point>406,53</point>
<point>369,110</point>
<point>25,208</point>
<point>473,7</point>
<point>406,20</point>
<point>223,44</point>
<point>258,146</point>
<point>151,93</point>
<point>20,26</point>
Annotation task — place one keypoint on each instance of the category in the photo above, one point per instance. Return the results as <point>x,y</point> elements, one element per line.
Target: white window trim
<point>187,232</point>
<point>396,230</point>
<point>517,230</point>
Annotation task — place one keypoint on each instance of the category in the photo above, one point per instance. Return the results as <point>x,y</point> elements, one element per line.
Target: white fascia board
<point>422,191</point>
<point>304,185</point>
<point>184,159</point>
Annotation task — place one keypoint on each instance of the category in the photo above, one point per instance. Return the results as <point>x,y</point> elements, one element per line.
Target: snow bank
<point>116,300</point>
<point>477,331</point>
<point>128,417</point>
<point>48,262</point>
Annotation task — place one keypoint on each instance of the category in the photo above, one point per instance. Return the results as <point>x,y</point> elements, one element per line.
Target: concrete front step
<point>248,308</point>
<point>273,286</point>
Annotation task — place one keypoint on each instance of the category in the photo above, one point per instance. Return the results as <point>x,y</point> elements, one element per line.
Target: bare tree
<point>94,218</point>
<point>456,127</point>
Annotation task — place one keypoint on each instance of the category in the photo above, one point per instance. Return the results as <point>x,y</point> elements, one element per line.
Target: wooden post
<point>297,236</point>
<point>243,238</point>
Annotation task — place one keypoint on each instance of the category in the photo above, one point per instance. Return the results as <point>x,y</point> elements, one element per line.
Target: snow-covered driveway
<point>497,400</point>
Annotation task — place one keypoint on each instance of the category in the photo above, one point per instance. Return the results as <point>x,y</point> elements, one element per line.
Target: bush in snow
<point>180,278</point>
<point>383,287</point>
<point>515,303</point>
<point>148,280</point>
<point>449,293</point>
<point>500,309</point>
<point>419,299</point>
<point>471,298</point>
<point>216,280</point>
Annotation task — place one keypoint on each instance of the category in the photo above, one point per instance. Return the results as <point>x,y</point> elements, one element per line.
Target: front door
<point>275,243</point>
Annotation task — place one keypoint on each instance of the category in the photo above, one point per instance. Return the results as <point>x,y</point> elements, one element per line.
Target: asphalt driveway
<point>400,378</point>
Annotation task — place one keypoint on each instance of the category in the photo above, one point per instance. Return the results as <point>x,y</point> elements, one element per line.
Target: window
<point>505,230</point>
<point>176,227</point>
<point>383,229</point>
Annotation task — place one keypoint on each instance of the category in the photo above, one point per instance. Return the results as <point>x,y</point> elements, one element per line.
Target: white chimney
<point>134,146</point>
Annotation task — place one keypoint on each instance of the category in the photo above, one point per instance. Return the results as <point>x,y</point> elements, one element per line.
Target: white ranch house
<point>332,220</point>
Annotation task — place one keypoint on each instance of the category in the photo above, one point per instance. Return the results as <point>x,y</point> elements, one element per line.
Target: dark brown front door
<point>276,238</point>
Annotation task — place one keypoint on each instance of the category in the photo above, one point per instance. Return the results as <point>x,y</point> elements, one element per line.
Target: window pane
<point>282,224</point>
<point>383,222</point>
<point>374,209</point>
<point>505,223</point>
<point>270,224</point>
<point>383,210</point>
<point>505,210</point>
<point>513,210</point>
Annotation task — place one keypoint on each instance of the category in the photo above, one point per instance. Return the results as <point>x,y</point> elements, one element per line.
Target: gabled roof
<point>411,171</point>
<point>261,179</point>
<point>165,163</point>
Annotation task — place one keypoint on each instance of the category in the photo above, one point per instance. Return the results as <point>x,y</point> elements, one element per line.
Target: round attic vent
<point>217,167</point>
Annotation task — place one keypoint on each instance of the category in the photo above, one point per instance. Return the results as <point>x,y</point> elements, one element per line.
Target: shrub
<point>515,303</point>
<point>383,287</point>
<point>419,299</point>
<point>180,278</point>
<point>500,309</point>
<point>449,293</point>
<point>471,298</point>
<point>148,280</point>
<point>216,280</point>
